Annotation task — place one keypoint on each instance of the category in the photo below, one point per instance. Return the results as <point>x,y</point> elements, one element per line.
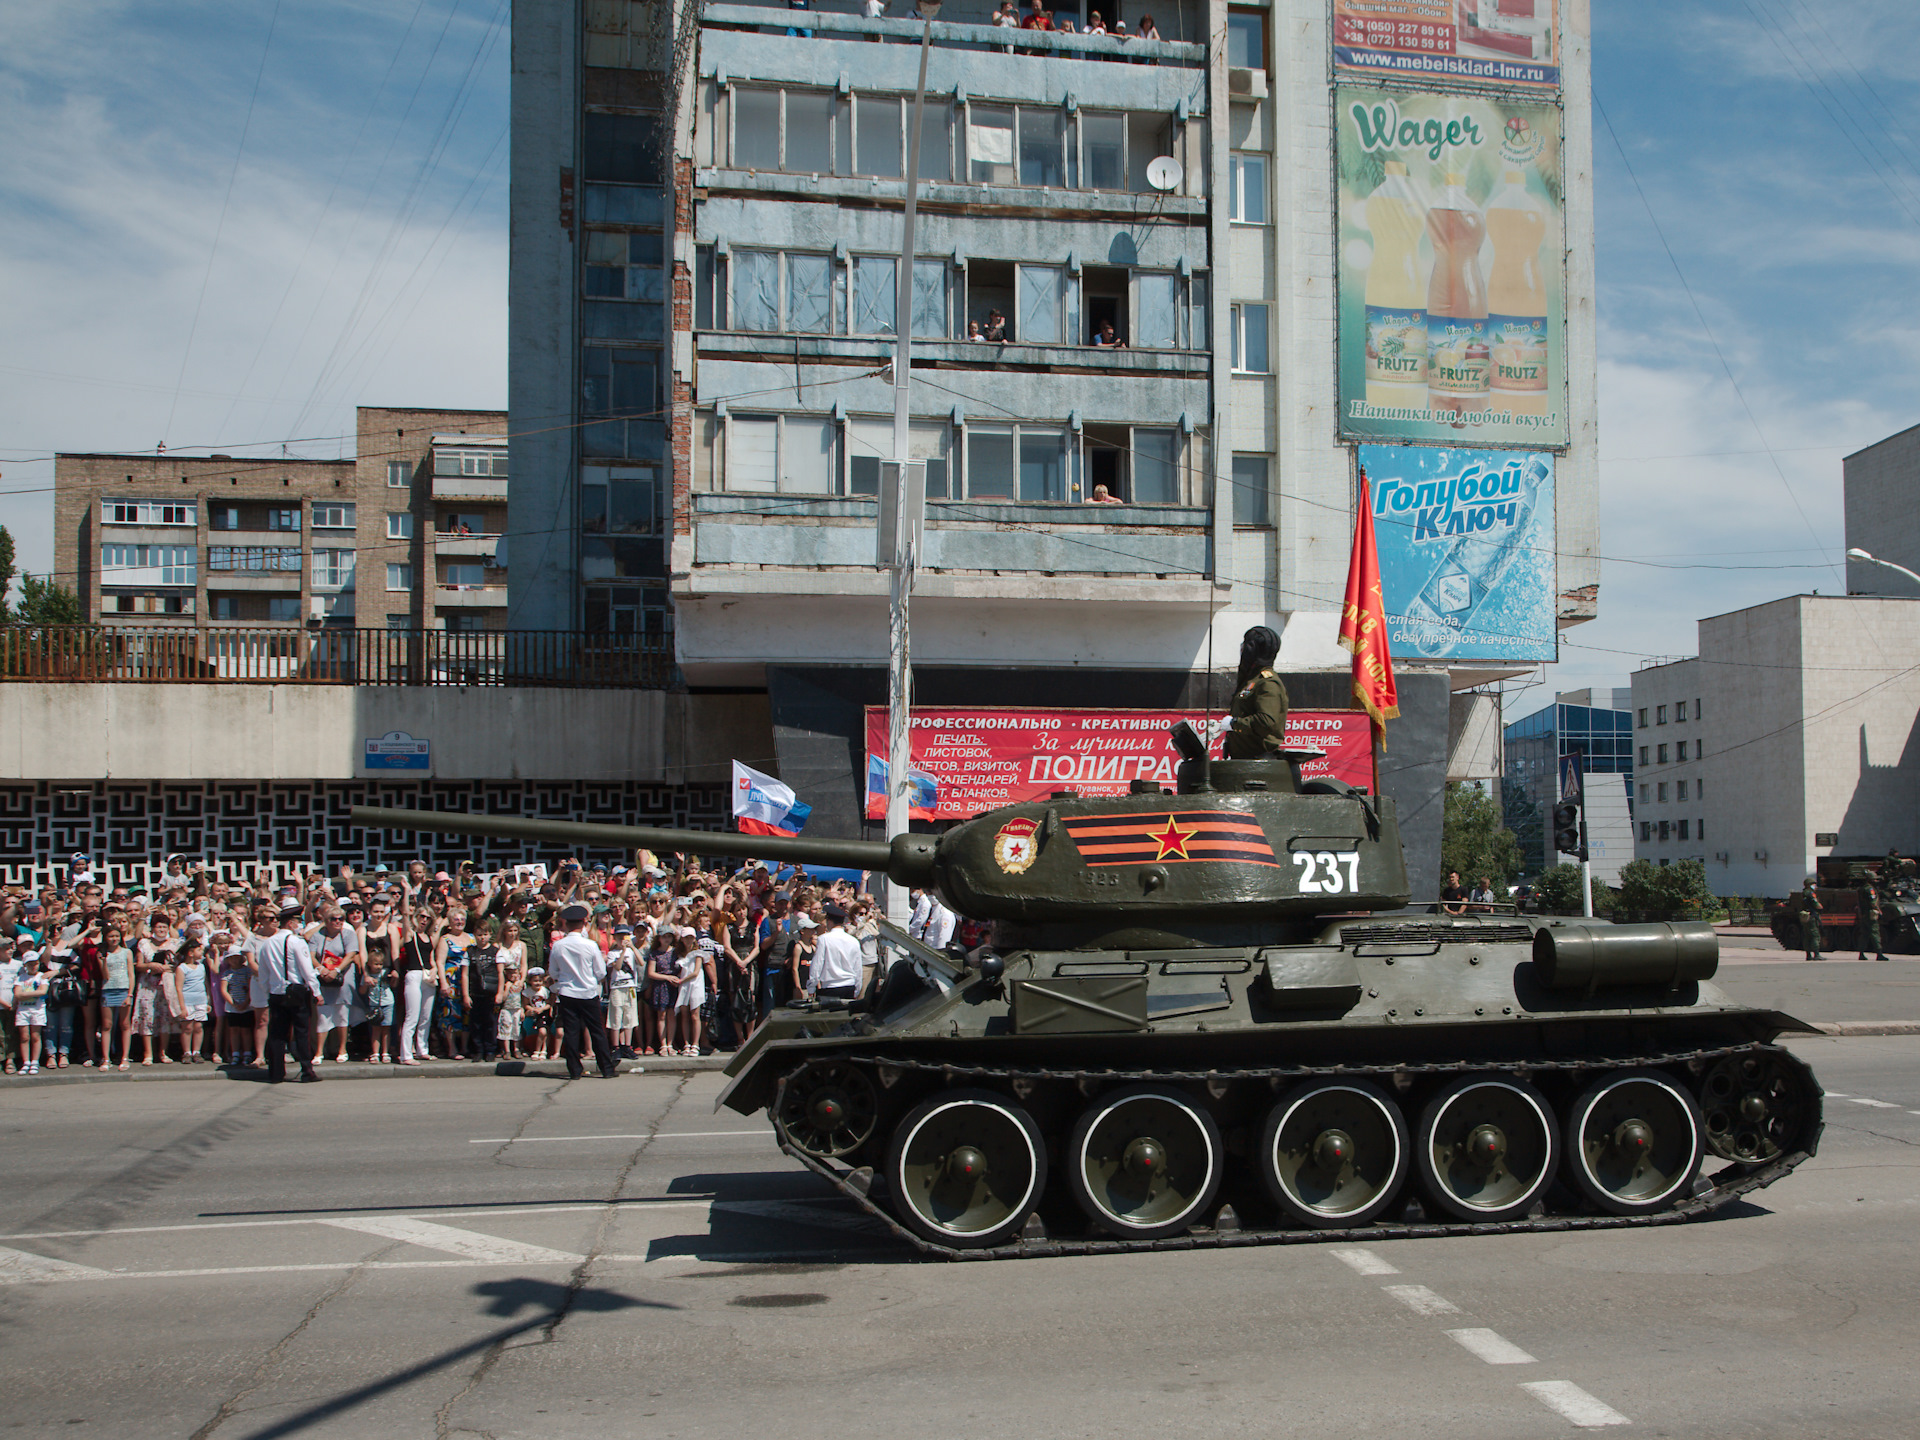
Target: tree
<point>1474,841</point>
<point>1666,892</point>
<point>43,602</point>
<point>1560,892</point>
<point>6,573</point>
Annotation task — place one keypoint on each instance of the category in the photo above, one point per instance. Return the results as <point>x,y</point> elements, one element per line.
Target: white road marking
<point>1363,1262</point>
<point>1877,1104</point>
<point>1573,1404</point>
<point>1421,1300</point>
<point>1836,1095</point>
<point>1913,1112</point>
<point>663,1135</point>
<point>1491,1347</point>
<point>638,1204</point>
<point>18,1267</point>
<point>468,1244</point>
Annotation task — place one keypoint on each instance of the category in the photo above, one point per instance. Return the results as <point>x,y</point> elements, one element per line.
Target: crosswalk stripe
<point>1491,1347</point>
<point>468,1244</point>
<point>1571,1403</point>
<point>1421,1300</point>
<point>1363,1262</point>
<point>21,1267</point>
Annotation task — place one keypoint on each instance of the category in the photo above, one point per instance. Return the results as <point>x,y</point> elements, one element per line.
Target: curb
<point>358,1070</point>
<point>1844,1028</point>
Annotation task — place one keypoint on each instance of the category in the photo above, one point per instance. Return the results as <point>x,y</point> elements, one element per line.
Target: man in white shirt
<point>932,923</point>
<point>836,958</point>
<point>293,989</point>
<point>575,968</point>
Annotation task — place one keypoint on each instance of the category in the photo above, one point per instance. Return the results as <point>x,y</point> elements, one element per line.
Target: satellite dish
<point>1163,173</point>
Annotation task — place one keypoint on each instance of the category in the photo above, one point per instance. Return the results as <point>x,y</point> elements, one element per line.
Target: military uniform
<point>1259,716</point>
<point>1867,929</point>
<point>1810,909</point>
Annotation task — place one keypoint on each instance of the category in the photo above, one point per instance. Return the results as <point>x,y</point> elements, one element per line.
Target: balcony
<point>466,546</point>
<point>955,354</point>
<point>765,20</point>
<point>289,654</point>
<point>470,487</point>
<point>271,582</point>
<point>470,597</point>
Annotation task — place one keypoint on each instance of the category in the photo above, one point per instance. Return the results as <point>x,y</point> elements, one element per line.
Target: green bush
<point>1560,890</point>
<point>1667,892</point>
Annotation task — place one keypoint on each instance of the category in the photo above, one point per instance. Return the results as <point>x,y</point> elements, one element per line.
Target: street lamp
<point>1856,553</point>
<point>905,538</point>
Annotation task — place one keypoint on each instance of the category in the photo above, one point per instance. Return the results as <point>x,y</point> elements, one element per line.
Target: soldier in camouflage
<point>1868,926</point>
<point>1810,909</point>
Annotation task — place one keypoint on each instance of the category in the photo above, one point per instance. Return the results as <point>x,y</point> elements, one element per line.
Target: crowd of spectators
<point>419,966</point>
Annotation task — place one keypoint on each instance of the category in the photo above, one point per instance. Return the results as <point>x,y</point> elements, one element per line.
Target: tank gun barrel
<point>907,861</point>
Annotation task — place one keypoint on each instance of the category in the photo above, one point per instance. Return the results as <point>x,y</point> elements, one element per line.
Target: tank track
<point>1721,1189</point>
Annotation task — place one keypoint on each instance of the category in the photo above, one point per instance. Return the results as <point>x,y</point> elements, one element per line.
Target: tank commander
<point>1258,713</point>
<point>1810,908</point>
<point>1867,930</point>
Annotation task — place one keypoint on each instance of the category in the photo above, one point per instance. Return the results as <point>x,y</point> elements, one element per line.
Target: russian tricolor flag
<point>763,806</point>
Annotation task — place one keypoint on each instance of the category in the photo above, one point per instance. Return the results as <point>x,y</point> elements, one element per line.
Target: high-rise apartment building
<point>1130,383</point>
<point>406,535</point>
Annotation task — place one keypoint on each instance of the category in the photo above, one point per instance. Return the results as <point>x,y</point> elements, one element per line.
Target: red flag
<point>1363,623</point>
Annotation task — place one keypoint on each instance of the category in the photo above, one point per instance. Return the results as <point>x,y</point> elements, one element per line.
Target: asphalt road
<point>529,1257</point>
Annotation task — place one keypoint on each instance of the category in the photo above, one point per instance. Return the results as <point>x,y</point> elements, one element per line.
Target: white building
<point>1791,735</point>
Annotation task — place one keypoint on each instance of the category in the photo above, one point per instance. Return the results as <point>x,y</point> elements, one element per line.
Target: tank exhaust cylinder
<point>1580,957</point>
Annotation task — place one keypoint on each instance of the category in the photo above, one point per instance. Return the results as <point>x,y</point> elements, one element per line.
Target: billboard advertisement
<point>1465,539</point>
<point>969,760</point>
<point>1514,44</point>
<point>1452,269</point>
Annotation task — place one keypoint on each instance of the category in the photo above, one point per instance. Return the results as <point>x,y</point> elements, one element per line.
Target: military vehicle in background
<point>1205,1017</point>
<point>1840,878</point>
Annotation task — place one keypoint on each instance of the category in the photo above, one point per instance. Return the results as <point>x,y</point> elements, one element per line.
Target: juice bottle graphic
<point>1457,353</point>
<point>1471,565</point>
<point>1396,303</point>
<point>1517,299</point>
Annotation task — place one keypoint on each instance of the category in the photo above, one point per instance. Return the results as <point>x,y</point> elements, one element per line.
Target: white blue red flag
<point>764,806</point>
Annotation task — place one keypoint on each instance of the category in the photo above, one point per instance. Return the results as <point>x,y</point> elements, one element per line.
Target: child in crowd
<point>537,1028</point>
<point>623,990</point>
<point>376,986</point>
<point>664,981</point>
<point>190,980</point>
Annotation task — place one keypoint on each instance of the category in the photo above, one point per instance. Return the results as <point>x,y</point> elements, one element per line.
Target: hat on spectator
<point>291,907</point>
<point>80,857</point>
<point>619,869</point>
<point>33,907</point>
<point>536,970</point>
<point>806,922</point>
<point>575,914</point>
<point>623,929</point>
<point>654,872</point>
<point>442,875</point>
<point>833,912</point>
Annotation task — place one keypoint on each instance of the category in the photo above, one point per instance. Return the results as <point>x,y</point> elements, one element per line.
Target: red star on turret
<point>1172,841</point>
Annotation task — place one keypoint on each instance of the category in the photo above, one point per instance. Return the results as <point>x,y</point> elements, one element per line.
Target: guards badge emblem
<point>1014,848</point>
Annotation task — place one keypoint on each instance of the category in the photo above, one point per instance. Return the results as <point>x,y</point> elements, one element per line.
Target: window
<point>223,517</point>
<point>1665,829</point>
<point>155,564</point>
<point>332,568</point>
<point>399,577</point>
<point>399,622</point>
<point>990,144</point>
<point>333,517</point>
<point>1699,826</point>
<point>467,622</point>
<point>1250,339</point>
<point>1699,789</point>
<point>283,607</point>
<point>618,500</point>
<point>1680,712</point>
<point>1643,717</point>
<point>930,300</point>
<point>1643,792</point>
<point>1024,462</point>
<point>1043,139</point>
<point>399,474</point>
<point>1103,150</point>
<point>990,467</point>
<point>399,525</point>
<point>623,265</point>
<point>1662,756</point>
<point>1247,40</point>
<point>148,512</point>
<point>253,559</point>
<point>1660,715</point>
<point>1252,496</point>
<point>1156,309</point>
<point>279,519</point>
<point>1247,200</point>
<point>1661,792</point>
<point>621,149</point>
<point>788,454</point>
<point>1683,829</point>
<point>1043,468</point>
<point>1696,708</point>
<point>878,142</point>
<point>488,462</point>
<point>809,294</point>
<point>1643,755</point>
<point>225,607</point>
<point>1156,467</point>
<point>1044,306</point>
<point>756,290</point>
<point>465,576</point>
<point>1646,830</point>
<point>875,295</point>
<point>869,442</point>
<point>1679,789</point>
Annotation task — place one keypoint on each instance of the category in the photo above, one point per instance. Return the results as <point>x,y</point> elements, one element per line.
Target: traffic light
<point>1566,829</point>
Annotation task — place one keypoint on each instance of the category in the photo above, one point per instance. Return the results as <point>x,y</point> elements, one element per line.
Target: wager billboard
<point>1452,269</point>
<point>1465,539</point>
<point>1514,44</point>
<point>969,760</point>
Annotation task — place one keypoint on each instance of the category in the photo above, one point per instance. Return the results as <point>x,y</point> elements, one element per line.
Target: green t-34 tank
<point>1206,1017</point>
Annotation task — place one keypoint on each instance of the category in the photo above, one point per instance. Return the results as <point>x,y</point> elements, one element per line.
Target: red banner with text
<point>969,760</point>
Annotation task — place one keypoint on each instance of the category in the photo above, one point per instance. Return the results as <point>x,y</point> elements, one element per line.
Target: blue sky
<point>359,208</point>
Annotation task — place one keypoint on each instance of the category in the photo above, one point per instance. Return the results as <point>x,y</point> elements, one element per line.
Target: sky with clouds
<point>226,223</point>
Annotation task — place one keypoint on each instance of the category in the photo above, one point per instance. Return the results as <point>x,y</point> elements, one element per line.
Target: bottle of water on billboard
<point>1396,302</point>
<point>1458,357</point>
<point>1473,563</point>
<point>1517,299</point>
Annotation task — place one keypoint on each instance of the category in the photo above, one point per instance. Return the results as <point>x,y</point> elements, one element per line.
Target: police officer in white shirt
<point>575,968</point>
<point>932,923</point>
<point>836,959</point>
<point>293,989</point>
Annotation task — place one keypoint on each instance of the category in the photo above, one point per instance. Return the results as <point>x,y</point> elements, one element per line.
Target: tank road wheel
<point>1486,1148</point>
<point>1754,1106</point>
<point>828,1109</point>
<point>1634,1142</point>
<point>966,1168</point>
<point>1144,1161</point>
<point>1333,1155</point>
